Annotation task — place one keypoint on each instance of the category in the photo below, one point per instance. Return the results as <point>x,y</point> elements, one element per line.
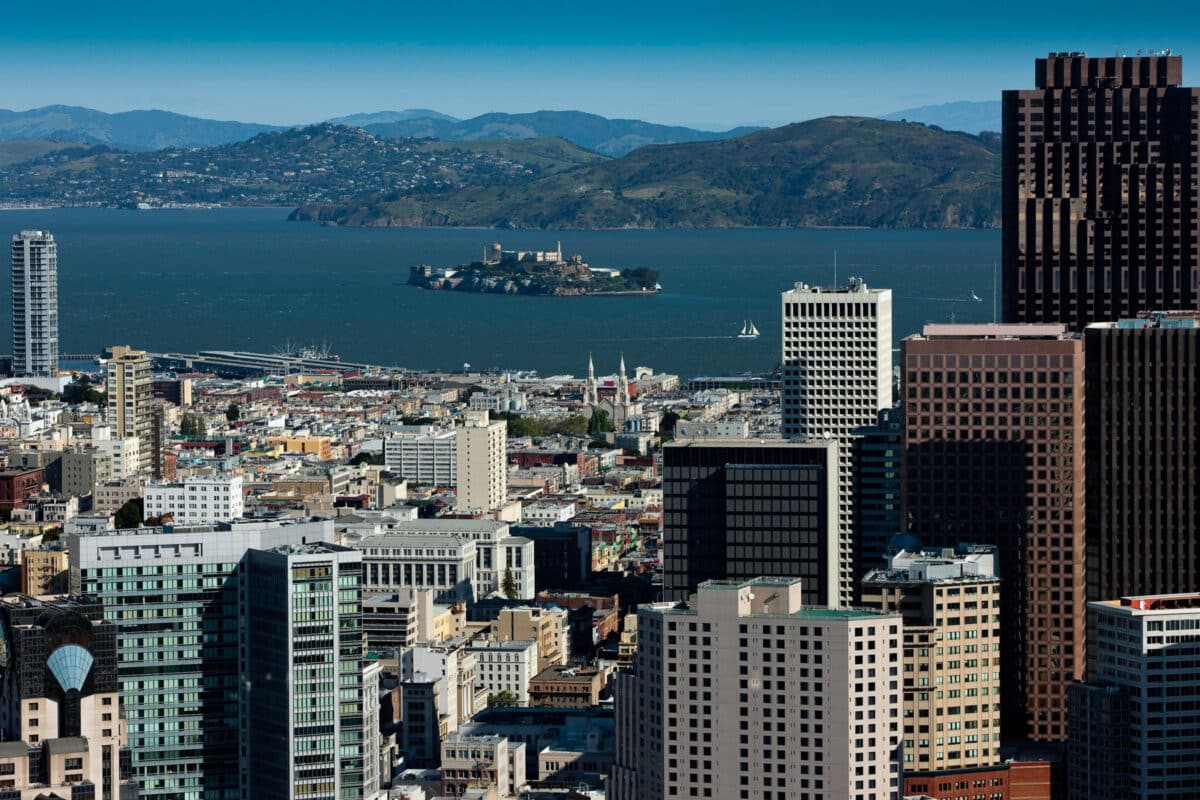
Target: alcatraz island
<point>535,272</point>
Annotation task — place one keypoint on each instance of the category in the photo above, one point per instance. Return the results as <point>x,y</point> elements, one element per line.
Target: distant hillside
<point>613,137</point>
<point>320,163</point>
<point>836,171</point>
<point>128,130</point>
<point>384,117</point>
<point>19,151</point>
<point>972,117</point>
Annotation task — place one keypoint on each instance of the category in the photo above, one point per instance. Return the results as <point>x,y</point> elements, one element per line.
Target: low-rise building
<point>445,564</point>
<point>547,627</point>
<point>44,571</point>
<point>566,686</point>
<point>196,500</point>
<point>481,762</point>
<point>506,666</point>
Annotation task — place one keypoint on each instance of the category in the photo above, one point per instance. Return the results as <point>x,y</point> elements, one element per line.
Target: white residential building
<point>545,513</point>
<point>124,454</point>
<point>482,480</point>
<point>451,663</point>
<point>746,693</point>
<point>506,666</point>
<point>394,561</point>
<point>836,376</point>
<point>35,304</point>
<point>423,454</point>
<point>199,500</point>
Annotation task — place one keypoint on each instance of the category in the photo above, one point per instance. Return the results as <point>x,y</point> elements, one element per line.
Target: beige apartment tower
<point>130,410</point>
<point>482,475</point>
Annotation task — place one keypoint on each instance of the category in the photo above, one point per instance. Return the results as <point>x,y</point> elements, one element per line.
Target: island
<point>535,272</point>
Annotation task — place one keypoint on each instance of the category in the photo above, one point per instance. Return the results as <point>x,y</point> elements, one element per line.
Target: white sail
<point>753,330</point>
<point>745,328</point>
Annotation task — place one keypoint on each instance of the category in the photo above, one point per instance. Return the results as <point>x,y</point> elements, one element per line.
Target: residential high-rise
<point>994,454</point>
<point>745,692</point>
<point>950,601</point>
<point>1143,455</point>
<point>175,597</point>
<point>35,304</point>
<point>1101,190</point>
<point>302,664</point>
<point>739,509</point>
<point>423,454</point>
<point>482,463</point>
<point>1132,726</point>
<point>61,709</point>
<point>130,406</point>
<point>836,376</point>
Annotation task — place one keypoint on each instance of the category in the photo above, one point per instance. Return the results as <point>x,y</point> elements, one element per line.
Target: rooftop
<point>993,330</point>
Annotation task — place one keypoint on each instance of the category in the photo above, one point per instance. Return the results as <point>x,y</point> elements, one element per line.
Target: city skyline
<point>697,66</point>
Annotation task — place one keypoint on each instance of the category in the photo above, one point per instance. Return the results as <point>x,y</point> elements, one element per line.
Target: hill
<point>384,117</point>
<point>128,130</point>
<point>613,137</point>
<point>320,163</point>
<point>19,151</point>
<point>972,117</point>
<point>835,171</point>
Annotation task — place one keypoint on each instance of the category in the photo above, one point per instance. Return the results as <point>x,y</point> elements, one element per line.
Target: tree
<point>129,515</point>
<point>192,425</point>
<point>509,586</point>
<point>666,428</point>
<point>80,390</point>
<point>502,699</point>
<point>366,457</point>
<point>233,413</point>
<point>600,422</point>
<point>572,426</point>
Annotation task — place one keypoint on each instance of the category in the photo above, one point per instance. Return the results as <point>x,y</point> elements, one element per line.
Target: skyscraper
<point>993,454</point>
<point>876,454</point>
<point>481,463</point>
<point>739,509</point>
<point>35,304</point>
<point>837,376</point>
<point>746,693</point>
<point>130,401</point>
<point>1101,190</point>
<point>1143,455</point>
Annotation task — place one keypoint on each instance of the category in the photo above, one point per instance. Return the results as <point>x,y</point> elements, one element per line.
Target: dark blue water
<point>248,279</point>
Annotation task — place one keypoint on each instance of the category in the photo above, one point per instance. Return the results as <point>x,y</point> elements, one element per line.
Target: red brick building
<point>18,485</point>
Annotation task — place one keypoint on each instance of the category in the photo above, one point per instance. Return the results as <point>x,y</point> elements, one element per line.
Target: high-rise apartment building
<point>482,463</point>
<point>302,662</point>
<point>35,304</point>
<point>130,406</point>
<point>836,376</point>
<point>174,595</point>
<point>740,509</point>
<point>1143,455</point>
<point>1101,190</point>
<point>950,602</point>
<point>60,708</point>
<point>1133,724</point>
<point>423,454</point>
<point>746,693</point>
<point>994,454</point>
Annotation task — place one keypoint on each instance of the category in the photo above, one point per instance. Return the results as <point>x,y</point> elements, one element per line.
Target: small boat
<point>748,330</point>
<point>976,297</point>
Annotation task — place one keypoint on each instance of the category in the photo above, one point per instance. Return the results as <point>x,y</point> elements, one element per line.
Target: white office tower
<point>1131,728</point>
<point>744,693</point>
<point>482,483</point>
<point>836,376</point>
<point>35,304</point>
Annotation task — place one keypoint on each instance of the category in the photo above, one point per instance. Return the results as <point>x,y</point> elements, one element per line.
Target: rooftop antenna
<point>835,283</point>
<point>994,294</point>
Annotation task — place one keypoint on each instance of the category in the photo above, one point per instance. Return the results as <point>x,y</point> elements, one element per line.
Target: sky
<point>702,63</point>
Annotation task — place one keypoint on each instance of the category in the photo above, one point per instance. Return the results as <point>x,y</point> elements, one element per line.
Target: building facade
<point>1143,448</point>
<point>481,481</point>
<point>876,496</point>
<point>506,666</point>
<point>1100,175</point>
<point>35,304</point>
<point>445,564</point>
<point>130,406</point>
<point>738,509</point>
<point>424,455</point>
<point>745,693</point>
<point>994,454</point>
<point>197,500</point>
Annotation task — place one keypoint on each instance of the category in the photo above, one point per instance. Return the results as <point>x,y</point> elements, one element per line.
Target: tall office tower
<point>993,454</point>
<point>739,509</point>
<point>482,463</point>
<point>1101,190</point>
<point>175,597</point>
<point>747,693</point>
<point>61,719</point>
<point>876,456</point>
<point>130,401</point>
<point>35,304</point>
<point>1143,447</point>
<point>302,660</point>
<point>1132,726</point>
<point>950,601</point>
<point>837,375</point>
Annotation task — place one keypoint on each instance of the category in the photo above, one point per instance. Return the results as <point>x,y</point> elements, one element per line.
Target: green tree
<point>81,390</point>
<point>233,413</point>
<point>600,422</point>
<point>129,515</point>
<point>192,425</point>
<point>509,586</point>
<point>502,699</point>
<point>365,457</point>
<point>572,426</point>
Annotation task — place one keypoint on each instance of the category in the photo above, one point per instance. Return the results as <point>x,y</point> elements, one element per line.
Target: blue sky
<point>700,62</point>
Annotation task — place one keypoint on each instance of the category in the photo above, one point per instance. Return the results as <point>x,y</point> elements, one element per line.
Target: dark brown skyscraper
<point>1100,190</point>
<point>1143,448</point>
<point>993,454</point>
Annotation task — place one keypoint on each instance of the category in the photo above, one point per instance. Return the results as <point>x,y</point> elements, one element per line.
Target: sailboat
<point>748,330</point>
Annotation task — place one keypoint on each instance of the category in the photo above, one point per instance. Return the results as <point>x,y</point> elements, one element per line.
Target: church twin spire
<point>591,392</point>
